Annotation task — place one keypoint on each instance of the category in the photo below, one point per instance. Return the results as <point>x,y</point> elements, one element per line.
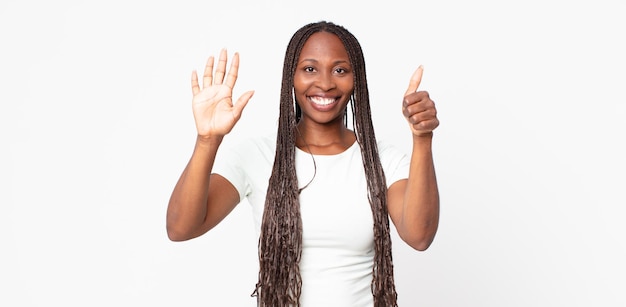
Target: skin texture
<point>201,200</point>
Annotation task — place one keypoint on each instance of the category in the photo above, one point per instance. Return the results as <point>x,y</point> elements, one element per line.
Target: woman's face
<point>324,80</point>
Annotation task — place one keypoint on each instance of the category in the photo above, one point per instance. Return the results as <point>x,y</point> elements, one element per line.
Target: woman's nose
<point>325,81</point>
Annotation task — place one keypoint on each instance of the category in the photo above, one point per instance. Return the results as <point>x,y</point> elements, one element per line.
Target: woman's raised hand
<point>213,109</point>
<point>418,108</point>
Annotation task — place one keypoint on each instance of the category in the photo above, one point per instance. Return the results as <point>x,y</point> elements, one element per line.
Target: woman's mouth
<point>322,101</point>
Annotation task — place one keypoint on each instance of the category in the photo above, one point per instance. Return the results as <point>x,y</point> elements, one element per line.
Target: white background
<point>96,126</point>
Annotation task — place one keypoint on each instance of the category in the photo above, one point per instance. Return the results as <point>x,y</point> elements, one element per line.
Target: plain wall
<point>96,126</point>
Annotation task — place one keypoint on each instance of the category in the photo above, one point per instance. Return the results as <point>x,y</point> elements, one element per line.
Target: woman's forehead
<point>323,45</point>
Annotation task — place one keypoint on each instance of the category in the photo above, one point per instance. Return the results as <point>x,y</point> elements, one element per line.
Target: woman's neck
<point>324,139</point>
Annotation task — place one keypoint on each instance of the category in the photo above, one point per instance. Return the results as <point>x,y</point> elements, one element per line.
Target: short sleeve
<point>247,165</point>
<point>229,163</point>
<point>395,163</point>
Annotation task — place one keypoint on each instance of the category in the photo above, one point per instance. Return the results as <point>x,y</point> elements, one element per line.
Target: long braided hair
<point>280,242</point>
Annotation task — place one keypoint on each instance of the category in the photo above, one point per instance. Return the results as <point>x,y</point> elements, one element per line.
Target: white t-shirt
<point>338,239</point>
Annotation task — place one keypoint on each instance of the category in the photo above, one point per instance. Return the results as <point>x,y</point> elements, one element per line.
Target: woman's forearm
<point>187,207</point>
<point>420,218</point>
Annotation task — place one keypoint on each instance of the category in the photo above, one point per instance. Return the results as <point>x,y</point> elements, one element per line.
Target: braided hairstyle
<point>280,242</point>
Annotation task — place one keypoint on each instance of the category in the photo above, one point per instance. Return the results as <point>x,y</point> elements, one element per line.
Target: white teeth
<point>322,101</point>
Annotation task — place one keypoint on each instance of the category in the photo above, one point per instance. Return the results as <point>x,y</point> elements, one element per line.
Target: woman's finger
<point>415,81</point>
<point>195,87</point>
<point>208,72</point>
<point>233,71</point>
<point>220,71</point>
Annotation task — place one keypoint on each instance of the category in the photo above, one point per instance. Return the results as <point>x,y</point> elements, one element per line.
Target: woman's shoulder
<point>385,145</point>
<point>251,146</point>
<point>389,151</point>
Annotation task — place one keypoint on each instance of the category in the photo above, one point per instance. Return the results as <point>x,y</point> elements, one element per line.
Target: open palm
<point>213,108</point>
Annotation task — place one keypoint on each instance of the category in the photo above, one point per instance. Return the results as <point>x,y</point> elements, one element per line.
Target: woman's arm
<point>414,203</point>
<point>200,200</point>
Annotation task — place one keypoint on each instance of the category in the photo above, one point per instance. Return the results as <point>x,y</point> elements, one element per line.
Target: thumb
<point>242,102</point>
<point>416,79</point>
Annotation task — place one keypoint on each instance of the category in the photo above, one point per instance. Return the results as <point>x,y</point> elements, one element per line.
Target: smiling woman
<point>321,193</point>
<point>94,123</point>
<point>323,83</point>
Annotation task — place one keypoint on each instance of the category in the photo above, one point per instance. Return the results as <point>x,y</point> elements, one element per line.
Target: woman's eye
<point>341,70</point>
<point>309,69</point>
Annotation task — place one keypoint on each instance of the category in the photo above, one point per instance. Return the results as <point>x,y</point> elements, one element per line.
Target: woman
<point>321,194</point>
